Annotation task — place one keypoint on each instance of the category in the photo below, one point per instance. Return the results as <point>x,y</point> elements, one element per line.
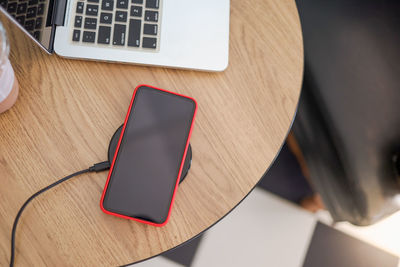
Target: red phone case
<point>116,153</point>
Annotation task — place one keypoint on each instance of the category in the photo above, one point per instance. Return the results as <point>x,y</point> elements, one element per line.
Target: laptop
<point>190,34</point>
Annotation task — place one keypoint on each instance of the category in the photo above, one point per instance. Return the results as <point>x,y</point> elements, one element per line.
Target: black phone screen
<point>148,161</point>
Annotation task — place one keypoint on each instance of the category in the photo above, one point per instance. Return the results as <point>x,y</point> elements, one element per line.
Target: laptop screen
<point>32,15</point>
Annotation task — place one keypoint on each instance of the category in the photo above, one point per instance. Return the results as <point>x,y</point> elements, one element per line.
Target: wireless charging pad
<point>112,147</point>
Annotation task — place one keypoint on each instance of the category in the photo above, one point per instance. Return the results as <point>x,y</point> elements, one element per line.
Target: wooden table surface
<point>68,110</point>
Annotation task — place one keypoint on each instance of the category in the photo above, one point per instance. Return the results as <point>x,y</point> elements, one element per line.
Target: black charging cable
<point>98,167</point>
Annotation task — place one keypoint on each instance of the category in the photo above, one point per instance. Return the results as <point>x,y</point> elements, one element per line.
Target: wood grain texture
<point>68,110</point>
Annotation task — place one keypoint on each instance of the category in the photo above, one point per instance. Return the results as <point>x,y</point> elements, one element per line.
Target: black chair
<point>348,122</point>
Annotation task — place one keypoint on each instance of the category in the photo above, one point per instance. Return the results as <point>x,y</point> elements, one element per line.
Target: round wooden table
<point>68,110</point>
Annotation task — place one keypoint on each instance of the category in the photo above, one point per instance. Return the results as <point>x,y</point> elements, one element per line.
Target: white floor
<point>265,230</point>
<point>384,234</point>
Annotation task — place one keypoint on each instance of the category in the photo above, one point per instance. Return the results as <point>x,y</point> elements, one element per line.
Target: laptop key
<point>21,20</point>
<point>136,11</point>
<point>76,35</point>
<point>150,29</point>
<point>12,7</point>
<point>40,9</point>
<point>31,12</point>
<point>79,7</point>
<point>114,25</point>
<point>21,8</point>
<point>36,34</point>
<point>123,4</point>
<point>152,4</point>
<point>151,16</point>
<point>104,35</point>
<point>92,10</point>
<point>107,5</point>
<point>121,16</point>
<point>3,3</point>
<point>119,34</point>
<point>38,23</point>
<point>78,22</point>
<point>106,17</point>
<point>88,37</point>
<point>134,32</point>
<point>149,42</point>
<point>33,2</point>
<point>30,24</point>
<point>90,23</point>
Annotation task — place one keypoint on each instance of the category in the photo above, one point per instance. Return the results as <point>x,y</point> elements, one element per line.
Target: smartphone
<point>148,162</point>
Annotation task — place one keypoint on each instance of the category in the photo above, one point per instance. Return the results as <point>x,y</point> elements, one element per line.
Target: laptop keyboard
<point>117,23</point>
<point>28,13</point>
